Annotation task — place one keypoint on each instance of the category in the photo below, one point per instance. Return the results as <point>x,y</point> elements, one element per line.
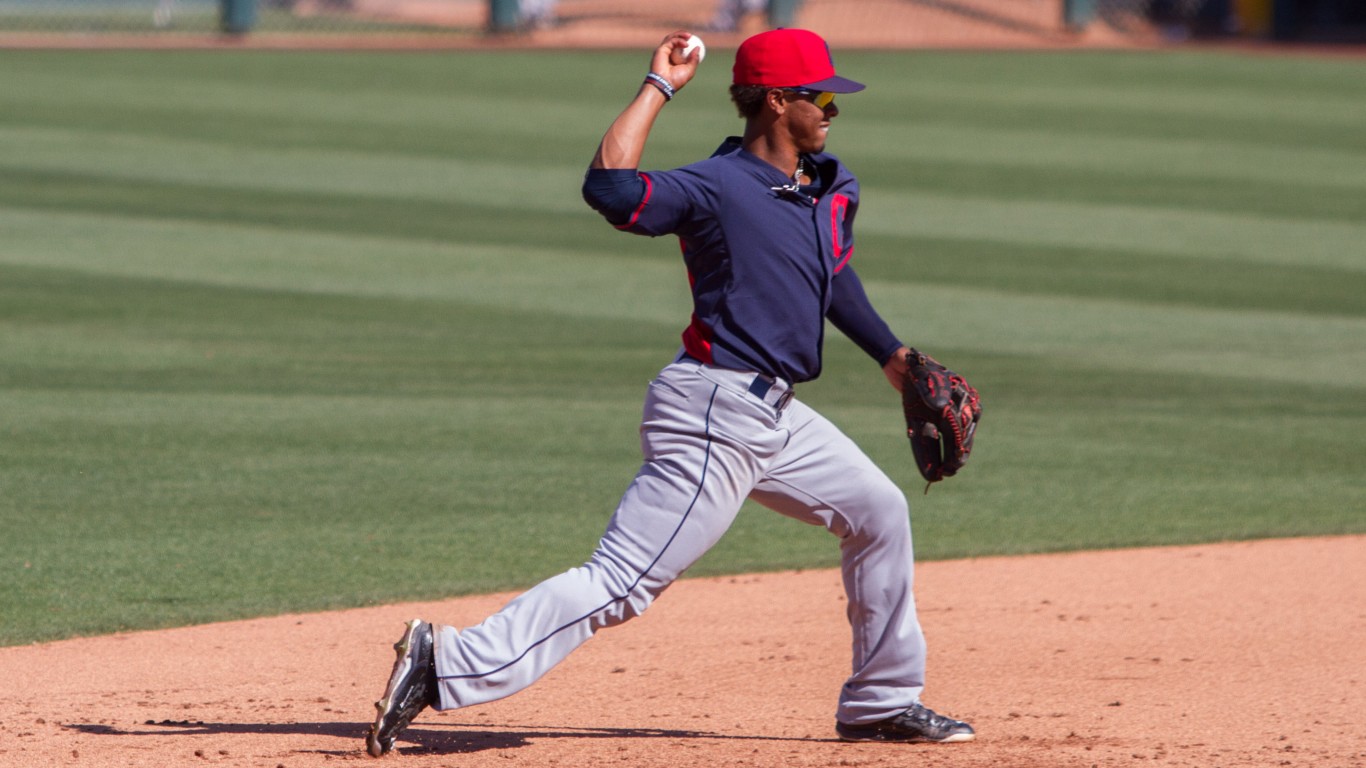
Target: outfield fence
<point>607,23</point>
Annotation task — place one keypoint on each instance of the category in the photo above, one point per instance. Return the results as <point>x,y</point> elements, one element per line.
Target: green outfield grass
<point>296,331</point>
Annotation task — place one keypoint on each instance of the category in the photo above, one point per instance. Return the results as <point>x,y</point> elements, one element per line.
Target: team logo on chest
<point>841,239</point>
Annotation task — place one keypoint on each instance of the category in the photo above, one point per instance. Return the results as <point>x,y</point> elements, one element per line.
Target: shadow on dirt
<point>457,738</point>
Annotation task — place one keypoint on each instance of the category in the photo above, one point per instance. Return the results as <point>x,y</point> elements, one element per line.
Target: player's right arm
<point>613,186</point>
<point>624,143</point>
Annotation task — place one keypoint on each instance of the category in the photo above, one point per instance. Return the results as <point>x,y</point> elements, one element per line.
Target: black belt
<point>766,388</point>
<point>763,385</point>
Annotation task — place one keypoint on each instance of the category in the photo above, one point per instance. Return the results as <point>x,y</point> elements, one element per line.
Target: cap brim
<point>836,84</point>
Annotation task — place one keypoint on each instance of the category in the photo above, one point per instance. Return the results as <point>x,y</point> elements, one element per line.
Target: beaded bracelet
<point>664,86</point>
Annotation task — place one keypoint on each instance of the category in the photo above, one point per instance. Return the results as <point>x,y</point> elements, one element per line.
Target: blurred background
<point>610,23</point>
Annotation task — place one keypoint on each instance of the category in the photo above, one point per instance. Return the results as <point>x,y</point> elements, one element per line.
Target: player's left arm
<point>896,367</point>
<point>853,314</point>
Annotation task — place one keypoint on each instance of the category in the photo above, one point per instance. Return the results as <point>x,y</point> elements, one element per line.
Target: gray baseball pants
<point>711,438</point>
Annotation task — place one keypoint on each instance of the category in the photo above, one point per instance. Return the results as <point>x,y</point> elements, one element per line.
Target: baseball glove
<point>942,410</point>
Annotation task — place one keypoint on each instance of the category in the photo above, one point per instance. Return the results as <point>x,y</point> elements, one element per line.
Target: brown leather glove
<point>942,410</point>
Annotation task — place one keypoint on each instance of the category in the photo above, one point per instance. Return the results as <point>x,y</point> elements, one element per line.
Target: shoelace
<point>928,717</point>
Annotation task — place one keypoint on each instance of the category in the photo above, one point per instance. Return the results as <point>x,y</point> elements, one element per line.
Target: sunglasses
<point>821,99</point>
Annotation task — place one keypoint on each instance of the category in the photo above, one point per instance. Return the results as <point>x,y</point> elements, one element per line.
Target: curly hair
<point>748,99</point>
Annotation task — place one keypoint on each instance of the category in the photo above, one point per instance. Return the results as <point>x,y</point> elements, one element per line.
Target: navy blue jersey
<point>767,260</point>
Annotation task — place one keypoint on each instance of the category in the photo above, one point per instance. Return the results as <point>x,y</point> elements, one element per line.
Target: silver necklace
<point>795,188</point>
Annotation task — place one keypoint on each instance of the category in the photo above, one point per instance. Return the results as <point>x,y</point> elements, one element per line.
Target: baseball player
<point>765,225</point>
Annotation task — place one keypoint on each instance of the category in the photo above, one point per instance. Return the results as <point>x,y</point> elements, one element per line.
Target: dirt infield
<point>1232,655</point>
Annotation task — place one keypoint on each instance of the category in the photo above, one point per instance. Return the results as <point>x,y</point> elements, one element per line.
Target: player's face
<point>809,116</point>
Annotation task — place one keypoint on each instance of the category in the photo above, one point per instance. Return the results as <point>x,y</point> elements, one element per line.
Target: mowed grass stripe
<point>1119,275</point>
<point>205,165</point>
<point>1264,116</point>
<point>1119,336</point>
<point>513,277</point>
<point>1306,101</point>
<point>461,104</point>
<point>1152,187</point>
<point>391,124</point>
<point>1008,152</point>
<point>399,218</point>
<point>1193,234</point>
<point>1146,470</point>
<point>1057,165</point>
<point>72,330</point>
<point>1190,82</point>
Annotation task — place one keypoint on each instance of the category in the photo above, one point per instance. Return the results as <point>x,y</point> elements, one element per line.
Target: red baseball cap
<point>789,58</point>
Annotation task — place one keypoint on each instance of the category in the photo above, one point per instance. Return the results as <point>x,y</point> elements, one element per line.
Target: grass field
<point>297,331</point>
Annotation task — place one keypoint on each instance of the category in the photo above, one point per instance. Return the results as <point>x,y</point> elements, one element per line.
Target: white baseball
<point>695,44</point>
